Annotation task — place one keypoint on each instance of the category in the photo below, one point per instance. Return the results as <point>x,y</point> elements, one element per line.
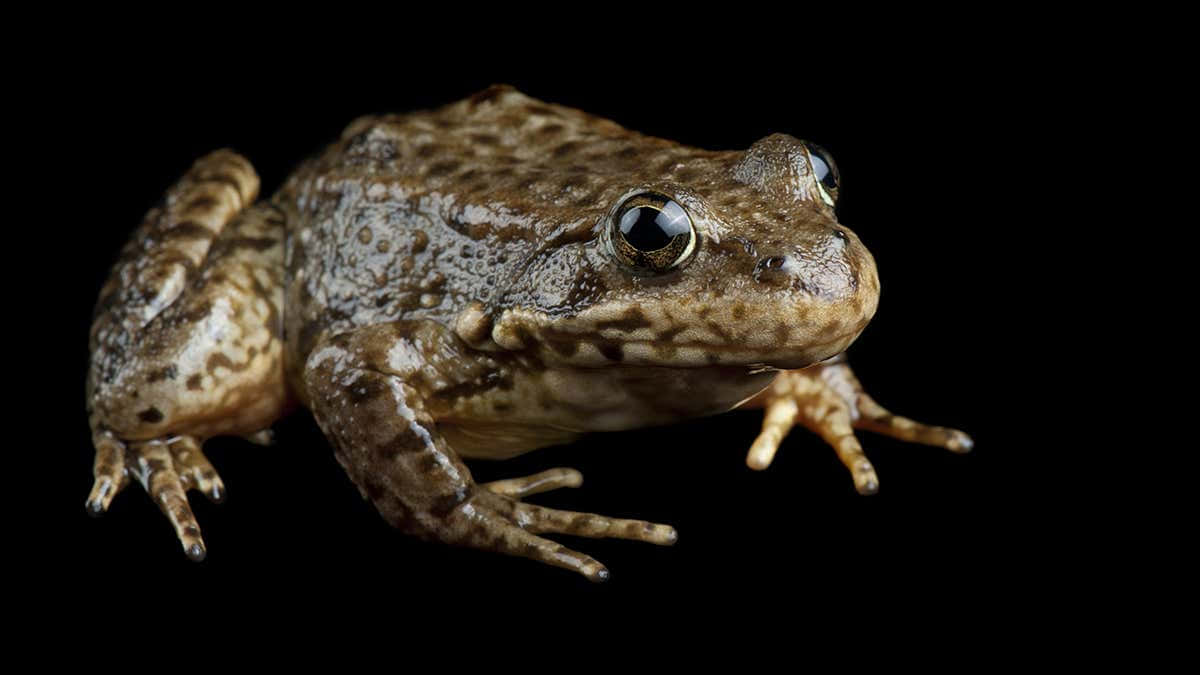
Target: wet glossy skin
<point>456,283</point>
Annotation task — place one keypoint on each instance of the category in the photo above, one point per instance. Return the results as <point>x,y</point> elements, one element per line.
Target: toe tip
<point>964,444</point>
<point>196,552</point>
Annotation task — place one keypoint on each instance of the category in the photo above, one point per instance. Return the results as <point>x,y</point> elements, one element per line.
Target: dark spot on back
<point>219,360</point>
<point>151,415</point>
<point>443,168</point>
<point>566,149</point>
<point>161,374</point>
<point>193,382</point>
<point>197,313</point>
<point>611,350</point>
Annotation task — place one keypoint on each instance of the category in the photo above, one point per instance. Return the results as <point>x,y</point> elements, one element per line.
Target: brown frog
<point>478,281</point>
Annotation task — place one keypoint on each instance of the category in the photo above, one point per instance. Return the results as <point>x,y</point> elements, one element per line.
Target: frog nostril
<point>771,269</point>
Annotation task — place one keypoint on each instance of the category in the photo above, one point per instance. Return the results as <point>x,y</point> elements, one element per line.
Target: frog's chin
<point>802,358</point>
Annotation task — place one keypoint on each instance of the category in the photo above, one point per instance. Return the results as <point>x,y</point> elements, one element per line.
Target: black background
<point>931,135</point>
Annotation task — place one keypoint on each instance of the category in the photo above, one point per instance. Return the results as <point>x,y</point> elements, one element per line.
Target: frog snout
<point>828,268</point>
<point>793,272</point>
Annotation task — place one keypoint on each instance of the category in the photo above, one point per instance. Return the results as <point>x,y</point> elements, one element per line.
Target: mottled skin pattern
<point>453,283</point>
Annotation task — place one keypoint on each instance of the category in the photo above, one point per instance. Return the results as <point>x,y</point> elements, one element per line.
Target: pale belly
<point>554,406</point>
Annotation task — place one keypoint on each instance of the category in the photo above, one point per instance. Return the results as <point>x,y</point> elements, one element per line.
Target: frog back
<point>417,216</point>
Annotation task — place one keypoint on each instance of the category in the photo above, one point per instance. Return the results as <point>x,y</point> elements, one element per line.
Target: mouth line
<point>668,353</point>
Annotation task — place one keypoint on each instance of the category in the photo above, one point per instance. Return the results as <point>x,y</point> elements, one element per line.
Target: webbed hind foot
<point>166,469</point>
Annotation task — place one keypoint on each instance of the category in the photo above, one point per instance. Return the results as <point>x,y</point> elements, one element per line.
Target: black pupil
<point>649,229</point>
<point>822,169</point>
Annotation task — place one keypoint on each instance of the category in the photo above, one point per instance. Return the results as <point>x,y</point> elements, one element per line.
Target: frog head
<point>691,258</point>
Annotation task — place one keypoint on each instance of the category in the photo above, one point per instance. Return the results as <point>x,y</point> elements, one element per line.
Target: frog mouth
<point>643,336</point>
<point>593,351</point>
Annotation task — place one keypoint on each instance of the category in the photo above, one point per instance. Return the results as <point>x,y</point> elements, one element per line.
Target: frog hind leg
<point>829,400</point>
<point>185,341</point>
<point>371,391</point>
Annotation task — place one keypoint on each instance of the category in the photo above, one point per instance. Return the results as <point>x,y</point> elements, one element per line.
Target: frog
<point>474,282</point>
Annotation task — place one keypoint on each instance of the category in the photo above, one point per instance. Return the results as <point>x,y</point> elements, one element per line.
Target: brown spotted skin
<point>187,340</point>
<point>455,284</point>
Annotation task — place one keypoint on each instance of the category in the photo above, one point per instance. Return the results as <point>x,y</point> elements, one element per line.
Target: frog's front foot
<point>829,400</point>
<point>494,519</point>
<point>167,469</point>
<point>548,480</point>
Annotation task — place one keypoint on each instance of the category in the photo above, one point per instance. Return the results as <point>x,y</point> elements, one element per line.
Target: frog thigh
<point>186,341</point>
<point>211,362</point>
<point>372,391</point>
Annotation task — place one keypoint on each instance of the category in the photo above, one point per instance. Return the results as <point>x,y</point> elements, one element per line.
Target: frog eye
<point>652,232</point>
<point>825,171</point>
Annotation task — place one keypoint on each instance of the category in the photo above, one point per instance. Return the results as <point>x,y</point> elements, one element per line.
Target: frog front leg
<point>375,393</point>
<point>829,400</point>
